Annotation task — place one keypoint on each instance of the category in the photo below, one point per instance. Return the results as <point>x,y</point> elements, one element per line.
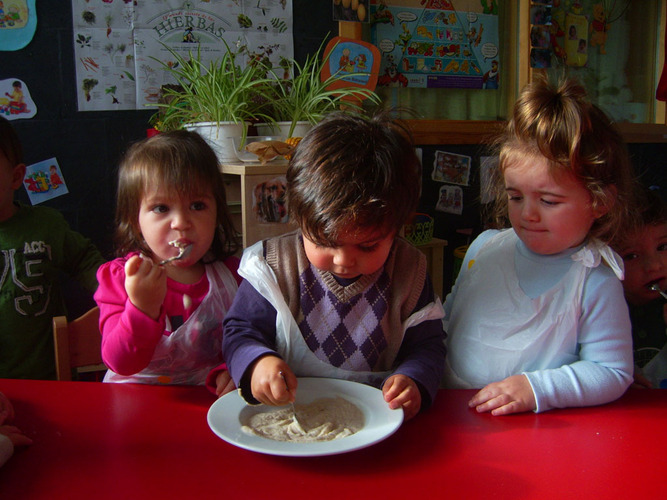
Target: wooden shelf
<point>439,132</point>
<point>436,132</point>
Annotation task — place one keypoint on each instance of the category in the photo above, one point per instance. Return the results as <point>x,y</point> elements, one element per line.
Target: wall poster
<point>115,41</point>
<point>436,43</point>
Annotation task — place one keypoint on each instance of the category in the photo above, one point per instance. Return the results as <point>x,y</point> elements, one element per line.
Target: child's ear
<point>18,174</point>
<point>605,204</point>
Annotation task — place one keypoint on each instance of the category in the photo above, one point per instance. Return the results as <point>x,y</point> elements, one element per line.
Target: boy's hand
<point>146,285</point>
<point>401,391</point>
<point>512,395</point>
<point>267,383</point>
<point>224,383</point>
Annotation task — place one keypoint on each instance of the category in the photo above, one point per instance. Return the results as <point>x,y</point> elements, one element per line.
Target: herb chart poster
<point>115,42</point>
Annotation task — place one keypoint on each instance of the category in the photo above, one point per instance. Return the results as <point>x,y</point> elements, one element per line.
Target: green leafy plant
<point>221,91</point>
<point>305,97</point>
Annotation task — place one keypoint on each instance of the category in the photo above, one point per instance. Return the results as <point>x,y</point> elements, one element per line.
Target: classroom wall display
<point>450,200</point>
<point>436,43</point>
<point>116,42</point>
<point>451,168</point>
<point>269,202</point>
<point>44,181</point>
<point>355,60</point>
<point>15,99</point>
<point>18,21</point>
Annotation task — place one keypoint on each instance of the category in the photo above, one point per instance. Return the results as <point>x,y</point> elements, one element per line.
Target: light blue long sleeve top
<point>600,368</point>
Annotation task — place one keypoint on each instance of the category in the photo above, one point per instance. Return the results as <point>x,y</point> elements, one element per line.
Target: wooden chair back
<point>77,343</point>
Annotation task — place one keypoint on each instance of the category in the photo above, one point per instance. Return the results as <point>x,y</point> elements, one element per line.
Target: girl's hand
<point>268,385</point>
<point>15,435</point>
<point>6,409</point>
<point>401,391</point>
<point>224,383</point>
<point>512,395</point>
<point>146,285</point>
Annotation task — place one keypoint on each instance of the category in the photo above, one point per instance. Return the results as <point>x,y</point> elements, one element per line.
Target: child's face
<point>165,216</point>
<point>11,178</point>
<point>548,215</point>
<point>356,253</point>
<point>645,260</point>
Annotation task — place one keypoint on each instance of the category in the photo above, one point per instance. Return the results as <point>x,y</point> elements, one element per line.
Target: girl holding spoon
<point>163,299</point>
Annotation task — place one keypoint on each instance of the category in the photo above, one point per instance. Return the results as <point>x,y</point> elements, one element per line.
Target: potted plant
<point>212,98</point>
<point>306,98</point>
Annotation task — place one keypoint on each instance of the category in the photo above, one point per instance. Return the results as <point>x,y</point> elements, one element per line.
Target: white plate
<point>224,419</point>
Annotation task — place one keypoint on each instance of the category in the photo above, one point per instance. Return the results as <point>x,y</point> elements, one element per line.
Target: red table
<point>124,441</point>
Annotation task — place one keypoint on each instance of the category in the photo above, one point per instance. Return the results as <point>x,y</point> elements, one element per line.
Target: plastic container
<point>419,230</point>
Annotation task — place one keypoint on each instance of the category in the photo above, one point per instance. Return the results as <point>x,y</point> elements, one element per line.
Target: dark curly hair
<point>351,169</point>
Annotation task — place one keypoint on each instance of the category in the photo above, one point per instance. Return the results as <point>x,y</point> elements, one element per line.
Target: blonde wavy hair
<point>558,122</point>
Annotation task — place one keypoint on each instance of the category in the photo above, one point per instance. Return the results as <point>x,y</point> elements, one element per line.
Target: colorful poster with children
<point>451,168</point>
<point>18,21</point>
<point>44,181</point>
<point>15,100</point>
<point>450,200</point>
<point>437,43</point>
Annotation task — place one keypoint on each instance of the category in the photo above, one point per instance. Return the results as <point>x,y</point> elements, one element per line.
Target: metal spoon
<point>182,253</point>
<point>656,287</point>
<point>296,420</point>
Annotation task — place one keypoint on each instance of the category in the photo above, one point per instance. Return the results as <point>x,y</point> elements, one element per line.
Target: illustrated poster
<point>451,168</point>
<point>44,181</point>
<point>436,43</point>
<point>15,100</point>
<point>115,42</point>
<point>18,22</point>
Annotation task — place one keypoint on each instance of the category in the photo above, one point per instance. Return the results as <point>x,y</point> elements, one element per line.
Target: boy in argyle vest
<point>343,296</point>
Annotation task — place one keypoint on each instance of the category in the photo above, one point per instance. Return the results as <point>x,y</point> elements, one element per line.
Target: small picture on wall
<point>540,15</point>
<point>44,181</point>
<point>268,200</point>
<point>450,200</point>
<point>540,58</point>
<point>451,168</point>
<point>540,37</point>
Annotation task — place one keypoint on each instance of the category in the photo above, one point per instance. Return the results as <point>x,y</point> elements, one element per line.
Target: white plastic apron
<point>187,354</point>
<point>290,343</point>
<point>496,330</point>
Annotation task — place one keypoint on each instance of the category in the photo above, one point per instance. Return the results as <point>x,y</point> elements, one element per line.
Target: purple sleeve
<point>250,332</point>
<point>422,353</point>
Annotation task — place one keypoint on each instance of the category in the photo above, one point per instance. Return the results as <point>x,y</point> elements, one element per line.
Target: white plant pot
<point>219,137</point>
<point>281,129</point>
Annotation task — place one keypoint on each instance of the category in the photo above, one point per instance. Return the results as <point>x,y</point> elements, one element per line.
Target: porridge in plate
<point>324,419</point>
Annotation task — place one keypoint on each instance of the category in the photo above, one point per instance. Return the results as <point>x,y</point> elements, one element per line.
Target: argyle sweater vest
<point>356,327</point>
